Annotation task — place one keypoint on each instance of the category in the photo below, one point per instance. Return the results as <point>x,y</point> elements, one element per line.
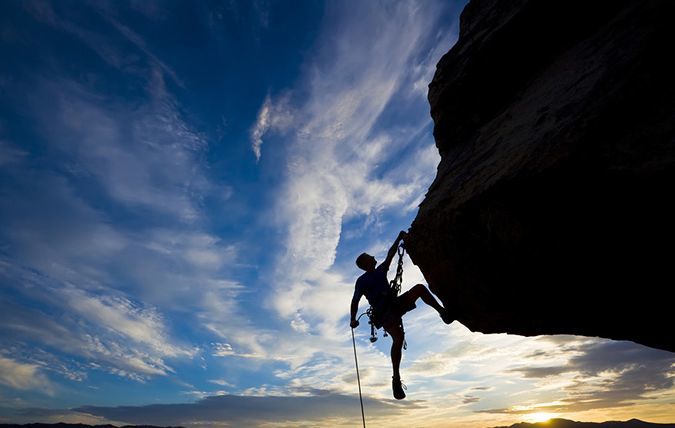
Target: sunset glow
<point>539,417</point>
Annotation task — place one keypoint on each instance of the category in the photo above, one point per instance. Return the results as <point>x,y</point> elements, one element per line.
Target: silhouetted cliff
<point>551,211</point>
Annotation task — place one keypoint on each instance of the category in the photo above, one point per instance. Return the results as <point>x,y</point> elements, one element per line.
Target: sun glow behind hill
<point>540,417</point>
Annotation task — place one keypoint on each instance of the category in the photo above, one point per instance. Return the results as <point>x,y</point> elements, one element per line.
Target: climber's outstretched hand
<point>402,235</point>
<point>354,324</point>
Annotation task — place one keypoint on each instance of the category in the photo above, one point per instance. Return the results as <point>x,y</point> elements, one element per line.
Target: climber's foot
<point>446,317</point>
<point>397,387</point>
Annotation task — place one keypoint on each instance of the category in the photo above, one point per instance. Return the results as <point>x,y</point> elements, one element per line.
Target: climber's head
<point>366,262</point>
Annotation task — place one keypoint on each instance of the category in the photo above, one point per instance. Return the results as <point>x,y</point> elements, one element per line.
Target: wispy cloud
<point>144,157</point>
<point>617,374</point>
<point>601,374</point>
<point>141,44</point>
<point>109,334</point>
<point>112,159</point>
<point>273,116</point>
<point>540,372</point>
<point>73,266</point>
<point>261,126</point>
<point>10,154</point>
<point>119,315</point>
<point>22,376</point>
<point>108,48</point>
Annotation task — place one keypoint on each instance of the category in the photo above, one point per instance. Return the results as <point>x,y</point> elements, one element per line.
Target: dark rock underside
<point>552,210</point>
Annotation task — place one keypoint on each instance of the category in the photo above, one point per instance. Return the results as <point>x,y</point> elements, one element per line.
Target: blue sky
<point>184,187</point>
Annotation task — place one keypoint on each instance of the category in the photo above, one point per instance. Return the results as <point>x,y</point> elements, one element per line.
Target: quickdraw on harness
<point>395,285</point>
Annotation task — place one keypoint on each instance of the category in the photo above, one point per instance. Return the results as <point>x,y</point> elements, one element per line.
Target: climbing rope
<point>358,377</point>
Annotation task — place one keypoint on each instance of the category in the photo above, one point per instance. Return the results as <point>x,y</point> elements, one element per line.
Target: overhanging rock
<point>552,210</point>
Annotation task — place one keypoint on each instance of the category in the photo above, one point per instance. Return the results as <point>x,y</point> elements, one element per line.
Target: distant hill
<point>63,425</point>
<point>564,423</point>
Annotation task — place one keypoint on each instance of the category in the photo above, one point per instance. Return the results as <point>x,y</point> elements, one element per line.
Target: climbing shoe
<point>446,317</point>
<point>397,386</point>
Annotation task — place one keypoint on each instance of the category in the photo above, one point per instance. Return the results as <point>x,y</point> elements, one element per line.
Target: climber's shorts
<point>394,310</point>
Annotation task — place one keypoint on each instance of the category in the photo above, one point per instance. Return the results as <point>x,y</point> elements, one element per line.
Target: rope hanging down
<point>358,377</point>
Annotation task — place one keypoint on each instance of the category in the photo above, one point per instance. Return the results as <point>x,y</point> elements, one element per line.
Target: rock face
<point>552,211</point>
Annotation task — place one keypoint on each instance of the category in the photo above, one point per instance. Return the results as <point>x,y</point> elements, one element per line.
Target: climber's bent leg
<point>408,299</point>
<point>420,291</point>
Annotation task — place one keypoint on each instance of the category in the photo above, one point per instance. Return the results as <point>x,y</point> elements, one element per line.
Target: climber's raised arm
<point>392,251</point>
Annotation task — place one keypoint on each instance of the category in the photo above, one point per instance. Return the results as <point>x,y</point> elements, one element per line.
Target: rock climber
<point>388,308</point>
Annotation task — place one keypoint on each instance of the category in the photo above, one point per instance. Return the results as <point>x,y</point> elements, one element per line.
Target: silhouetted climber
<point>388,308</point>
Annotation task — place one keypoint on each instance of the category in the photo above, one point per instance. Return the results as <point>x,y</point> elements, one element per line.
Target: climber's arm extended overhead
<point>392,251</point>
